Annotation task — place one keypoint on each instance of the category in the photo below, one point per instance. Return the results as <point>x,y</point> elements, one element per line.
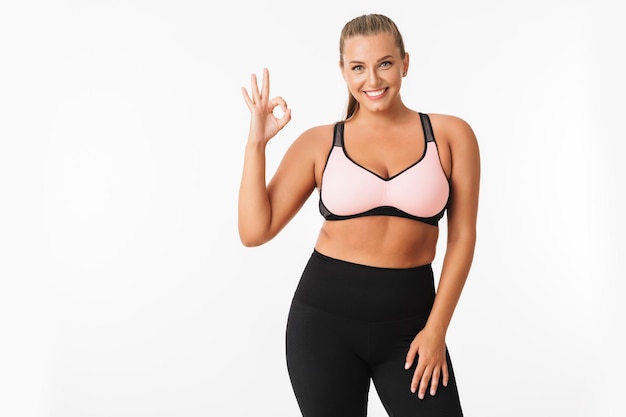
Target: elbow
<point>250,243</point>
<point>253,234</point>
<point>251,240</point>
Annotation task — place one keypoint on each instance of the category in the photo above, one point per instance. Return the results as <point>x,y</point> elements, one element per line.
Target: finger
<point>417,376</point>
<point>445,373</point>
<point>434,381</point>
<point>247,98</point>
<point>285,119</point>
<point>265,87</point>
<point>278,101</point>
<point>410,357</point>
<point>254,88</point>
<point>426,376</point>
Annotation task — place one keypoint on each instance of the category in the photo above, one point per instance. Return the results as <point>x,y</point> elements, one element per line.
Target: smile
<point>375,93</point>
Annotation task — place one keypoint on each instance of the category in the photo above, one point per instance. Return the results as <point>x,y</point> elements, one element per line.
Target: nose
<point>373,79</point>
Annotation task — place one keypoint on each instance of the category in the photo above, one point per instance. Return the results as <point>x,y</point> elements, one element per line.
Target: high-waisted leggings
<point>350,324</point>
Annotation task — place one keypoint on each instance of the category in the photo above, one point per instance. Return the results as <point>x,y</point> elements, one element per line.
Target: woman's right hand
<point>264,124</point>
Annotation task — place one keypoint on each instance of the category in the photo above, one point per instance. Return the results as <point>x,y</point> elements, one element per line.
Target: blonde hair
<point>366,25</point>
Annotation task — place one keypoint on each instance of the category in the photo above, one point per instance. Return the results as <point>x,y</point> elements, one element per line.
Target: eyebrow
<point>381,59</point>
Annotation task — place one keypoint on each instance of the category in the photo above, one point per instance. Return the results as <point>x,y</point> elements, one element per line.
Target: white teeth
<point>375,93</point>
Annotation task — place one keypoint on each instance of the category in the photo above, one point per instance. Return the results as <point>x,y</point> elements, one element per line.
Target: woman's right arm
<point>264,209</point>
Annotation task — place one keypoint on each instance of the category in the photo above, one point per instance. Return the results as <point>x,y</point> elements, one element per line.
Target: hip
<point>365,292</point>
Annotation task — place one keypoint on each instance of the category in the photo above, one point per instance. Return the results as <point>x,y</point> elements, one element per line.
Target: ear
<point>405,63</point>
<point>343,74</point>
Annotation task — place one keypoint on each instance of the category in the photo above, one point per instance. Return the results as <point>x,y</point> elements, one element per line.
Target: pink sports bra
<point>419,192</point>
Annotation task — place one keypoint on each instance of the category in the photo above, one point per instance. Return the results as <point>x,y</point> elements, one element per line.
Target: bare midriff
<point>381,241</point>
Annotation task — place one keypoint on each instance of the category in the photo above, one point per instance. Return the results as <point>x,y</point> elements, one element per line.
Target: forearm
<point>455,269</point>
<point>254,209</point>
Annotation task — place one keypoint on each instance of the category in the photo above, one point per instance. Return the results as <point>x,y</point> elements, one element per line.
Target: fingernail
<point>420,396</point>
<point>407,365</point>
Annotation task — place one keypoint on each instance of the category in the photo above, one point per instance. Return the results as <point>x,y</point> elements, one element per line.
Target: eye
<point>357,68</point>
<point>385,64</point>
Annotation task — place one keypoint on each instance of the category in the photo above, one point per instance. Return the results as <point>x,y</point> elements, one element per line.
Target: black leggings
<point>349,324</point>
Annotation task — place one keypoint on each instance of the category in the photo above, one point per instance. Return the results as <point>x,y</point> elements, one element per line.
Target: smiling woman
<point>373,76</point>
<point>366,308</point>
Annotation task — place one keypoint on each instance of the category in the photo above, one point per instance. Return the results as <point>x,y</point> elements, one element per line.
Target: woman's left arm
<point>429,344</point>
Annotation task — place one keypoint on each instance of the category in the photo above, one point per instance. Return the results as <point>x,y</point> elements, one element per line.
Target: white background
<point>124,290</point>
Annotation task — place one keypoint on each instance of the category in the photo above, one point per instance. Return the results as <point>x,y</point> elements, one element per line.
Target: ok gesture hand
<point>264,125</point>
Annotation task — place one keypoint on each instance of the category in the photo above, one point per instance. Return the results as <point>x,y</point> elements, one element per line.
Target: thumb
<point>284,119</point>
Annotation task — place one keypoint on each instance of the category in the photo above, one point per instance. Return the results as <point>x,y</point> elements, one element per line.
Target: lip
<point>383,92</point>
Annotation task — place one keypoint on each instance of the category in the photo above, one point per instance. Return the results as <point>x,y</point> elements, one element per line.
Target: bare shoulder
<point>315,141</point>
<point>452,129</point>
<point>315,144</point>
<point>457,145</point>
<point>317,134</point>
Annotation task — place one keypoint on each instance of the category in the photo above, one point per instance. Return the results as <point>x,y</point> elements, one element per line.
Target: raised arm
<point>264,209</point>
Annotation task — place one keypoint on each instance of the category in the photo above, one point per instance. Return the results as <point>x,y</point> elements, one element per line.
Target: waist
<point>379,241</point>
<point>366,292</point>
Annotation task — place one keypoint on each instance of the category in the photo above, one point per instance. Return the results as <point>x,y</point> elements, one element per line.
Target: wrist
<point>436,328</point>
<point>254,145</point>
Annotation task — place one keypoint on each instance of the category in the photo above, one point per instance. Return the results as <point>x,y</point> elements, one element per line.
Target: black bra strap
<point>426,126</point>
<point>428,129</point>
<point>338,134</point>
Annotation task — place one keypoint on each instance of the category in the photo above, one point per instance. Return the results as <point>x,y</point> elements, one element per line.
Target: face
<point>373,69</point>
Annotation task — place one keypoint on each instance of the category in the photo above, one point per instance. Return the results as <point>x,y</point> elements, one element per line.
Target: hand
<point>430,348</point>
<point>264,125</point>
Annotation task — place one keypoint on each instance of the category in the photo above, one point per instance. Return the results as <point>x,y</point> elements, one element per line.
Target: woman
<point>366,307</point>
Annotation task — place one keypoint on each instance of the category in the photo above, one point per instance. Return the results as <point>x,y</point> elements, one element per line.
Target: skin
<point>386,137</point>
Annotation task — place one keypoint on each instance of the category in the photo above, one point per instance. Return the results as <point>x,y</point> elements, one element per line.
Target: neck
<point>395,114</point>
